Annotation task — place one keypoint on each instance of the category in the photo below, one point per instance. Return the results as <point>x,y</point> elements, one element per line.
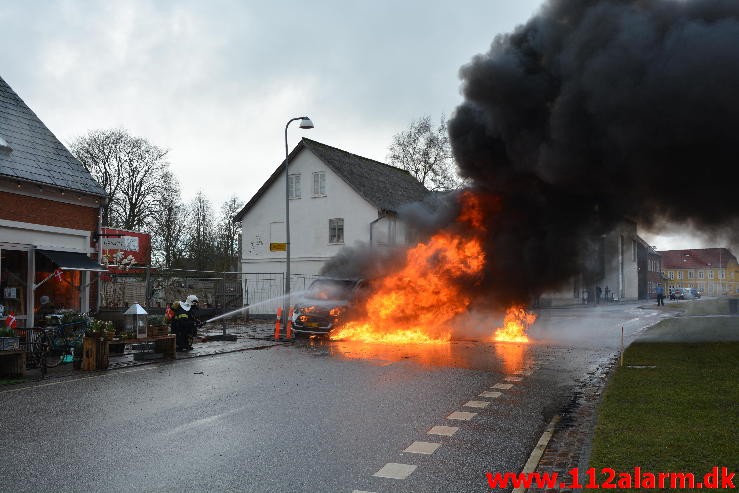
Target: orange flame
<point>515,323</point>
<point>419,302</point>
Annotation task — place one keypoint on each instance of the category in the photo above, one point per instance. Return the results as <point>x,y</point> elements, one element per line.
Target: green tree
<point>169,223</point>
<point>201,235</point>
<point>228,235</point>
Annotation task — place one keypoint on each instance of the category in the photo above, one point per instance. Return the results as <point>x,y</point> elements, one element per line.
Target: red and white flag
<point>10,320</point>
<point>58,275</point>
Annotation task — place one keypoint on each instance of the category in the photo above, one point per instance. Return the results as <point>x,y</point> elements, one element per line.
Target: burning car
<point>327,303</point>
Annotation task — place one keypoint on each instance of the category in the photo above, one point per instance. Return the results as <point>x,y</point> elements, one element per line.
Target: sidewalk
<point>253,335</point>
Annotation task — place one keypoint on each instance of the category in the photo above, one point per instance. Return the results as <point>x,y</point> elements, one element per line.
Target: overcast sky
<point>215,81</point>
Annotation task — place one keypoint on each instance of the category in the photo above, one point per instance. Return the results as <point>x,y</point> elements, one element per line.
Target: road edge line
<point>538,451</point>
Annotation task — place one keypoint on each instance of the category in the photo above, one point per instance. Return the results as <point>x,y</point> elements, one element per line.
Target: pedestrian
<point>660,295</point>
<point>607,294</point>
<point>584,296</point>
<point>598,293</point>
<point>185,322</point>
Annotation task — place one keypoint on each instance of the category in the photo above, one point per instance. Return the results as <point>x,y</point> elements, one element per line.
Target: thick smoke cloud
<point>594,111</point>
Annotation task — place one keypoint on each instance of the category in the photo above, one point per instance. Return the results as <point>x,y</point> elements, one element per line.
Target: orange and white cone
<point>277,324</point>
<point>289,326</point>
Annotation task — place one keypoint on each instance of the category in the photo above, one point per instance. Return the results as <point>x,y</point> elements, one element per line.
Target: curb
<point>26,382</point>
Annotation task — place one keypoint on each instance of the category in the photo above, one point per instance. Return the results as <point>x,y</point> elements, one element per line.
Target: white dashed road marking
<point>461,415</point>
<point>503,386</point>
<point>362,491</point>
<point>393,470</point>
<point>446,431</point>
<point>491,394</point>
<point>513,379</point>
<point>478,404</point>
<point>426,448</point>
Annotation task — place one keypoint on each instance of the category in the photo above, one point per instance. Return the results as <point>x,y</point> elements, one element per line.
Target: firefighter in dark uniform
<point>185,322</point>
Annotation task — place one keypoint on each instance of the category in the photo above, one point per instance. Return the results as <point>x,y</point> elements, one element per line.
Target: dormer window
<point>4,145</point>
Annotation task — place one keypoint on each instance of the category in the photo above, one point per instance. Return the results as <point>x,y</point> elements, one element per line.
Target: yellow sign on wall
<point>277,247</point>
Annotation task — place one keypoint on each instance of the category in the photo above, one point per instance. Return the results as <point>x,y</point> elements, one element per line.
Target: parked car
<point>677,294</point>
<point>686,293</point>
<point>327,303</point>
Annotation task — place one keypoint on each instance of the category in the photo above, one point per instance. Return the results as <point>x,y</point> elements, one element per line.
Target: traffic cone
<point>289,327</point>
<point>277,324</point>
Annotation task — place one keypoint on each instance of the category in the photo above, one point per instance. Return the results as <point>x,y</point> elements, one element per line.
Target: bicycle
<point>51,347</point>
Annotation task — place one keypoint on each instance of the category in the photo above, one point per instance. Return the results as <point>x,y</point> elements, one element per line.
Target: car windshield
<point>331,289</point>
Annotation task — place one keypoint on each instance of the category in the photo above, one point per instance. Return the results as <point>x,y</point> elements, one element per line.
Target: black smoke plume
<point>594,111</point>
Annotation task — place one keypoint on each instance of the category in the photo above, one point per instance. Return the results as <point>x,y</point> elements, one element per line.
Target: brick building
<point>49,214</point>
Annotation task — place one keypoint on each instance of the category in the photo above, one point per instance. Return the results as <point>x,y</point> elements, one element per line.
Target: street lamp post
<point>305,123</point>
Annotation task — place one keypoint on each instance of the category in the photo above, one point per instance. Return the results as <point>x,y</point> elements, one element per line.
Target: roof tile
<point>37,155</point>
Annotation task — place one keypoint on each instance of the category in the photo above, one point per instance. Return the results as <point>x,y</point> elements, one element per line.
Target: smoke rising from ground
<point>595,111</point>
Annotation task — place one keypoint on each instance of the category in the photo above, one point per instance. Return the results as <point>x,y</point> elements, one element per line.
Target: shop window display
<point>62,288</point>
<point>13,283</point>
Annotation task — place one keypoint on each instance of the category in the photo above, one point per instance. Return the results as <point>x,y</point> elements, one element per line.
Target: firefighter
<point>185,322</point>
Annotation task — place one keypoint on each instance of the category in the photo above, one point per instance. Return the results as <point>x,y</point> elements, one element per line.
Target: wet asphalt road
<point>311,417</point>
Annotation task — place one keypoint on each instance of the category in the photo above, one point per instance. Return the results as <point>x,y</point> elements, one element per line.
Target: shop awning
<point>72,261</point>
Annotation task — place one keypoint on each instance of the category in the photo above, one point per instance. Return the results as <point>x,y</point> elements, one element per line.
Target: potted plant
<point>100,329</point>
<point>157,326</point>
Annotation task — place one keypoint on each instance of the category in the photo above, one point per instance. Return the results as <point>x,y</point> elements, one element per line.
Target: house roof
<point>702,258</point>
<point>33,154</point>
<point>385,187</point>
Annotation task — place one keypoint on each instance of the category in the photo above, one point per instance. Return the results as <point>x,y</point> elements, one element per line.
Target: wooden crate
<point>94,354</point>
<point>157,330</point>
<point>12,363</point>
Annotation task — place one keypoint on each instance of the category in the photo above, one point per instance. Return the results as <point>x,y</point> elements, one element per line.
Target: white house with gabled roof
<point>337,199</point>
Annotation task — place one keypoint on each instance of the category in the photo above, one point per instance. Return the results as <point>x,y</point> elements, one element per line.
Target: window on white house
<point>671,275</point>
<point>710,274</point>
<point>701,274</point>
<point>722,274</point>
<point>293,186</point>
<point>336,230</point>
<point>319,184</point>
<point>690,274</point>
<point>680,275</point>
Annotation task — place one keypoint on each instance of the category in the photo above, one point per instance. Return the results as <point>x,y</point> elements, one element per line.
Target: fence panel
<point>225,291</point>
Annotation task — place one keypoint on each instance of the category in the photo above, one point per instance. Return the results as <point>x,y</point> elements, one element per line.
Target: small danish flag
<point>58,275</point>
<point>10,320</point>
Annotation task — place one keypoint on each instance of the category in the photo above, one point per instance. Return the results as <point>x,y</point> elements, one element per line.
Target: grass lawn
<point>682,415</point>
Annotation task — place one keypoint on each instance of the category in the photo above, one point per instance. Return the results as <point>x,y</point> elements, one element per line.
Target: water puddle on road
<point>505,357</point>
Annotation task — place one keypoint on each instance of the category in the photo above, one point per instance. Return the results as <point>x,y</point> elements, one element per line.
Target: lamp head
<point>306,123</point>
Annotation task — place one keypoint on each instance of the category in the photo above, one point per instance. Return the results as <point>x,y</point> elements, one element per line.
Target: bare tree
<point>201,245</point>
<point>424,151</point>
<point>100,152</point>
<point>228,235</point>
<point>169,223</point>
<point>129,168</point>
